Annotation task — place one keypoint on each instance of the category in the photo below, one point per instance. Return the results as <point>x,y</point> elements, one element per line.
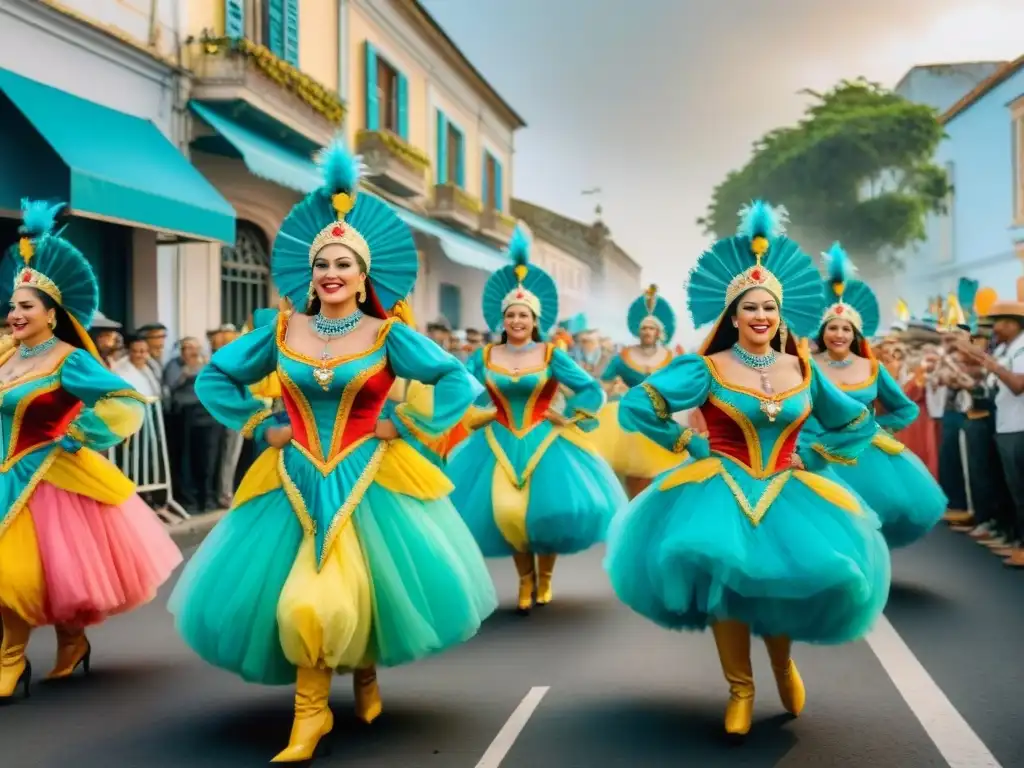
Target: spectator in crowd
<point>1007,368</point>
<point>474,340</point>
<point>196,437</point>
<point>945,387</point>
<point>135,369</point>
<point>439,332</point>
<point>155,336</point>
<point>106,335</point>
<point>230,441</point>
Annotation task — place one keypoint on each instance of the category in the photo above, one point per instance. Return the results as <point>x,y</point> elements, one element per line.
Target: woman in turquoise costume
<point>342,551</point>
<point>889,478</point>
<point>739,537</point>
<point>77,544</point>
<point>527,480</point>
<point>633,456</point>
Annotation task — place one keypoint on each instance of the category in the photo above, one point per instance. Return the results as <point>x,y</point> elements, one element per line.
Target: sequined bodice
<point>34,411</point>
<point>328,418</point>
<point>757,430</point>
<point>522,398</point>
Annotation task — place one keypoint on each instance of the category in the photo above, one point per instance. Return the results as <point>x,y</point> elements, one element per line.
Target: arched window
<point>244,275</point>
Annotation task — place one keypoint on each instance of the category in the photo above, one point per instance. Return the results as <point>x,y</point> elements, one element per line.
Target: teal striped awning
<point>263,157</point>
<point>103,163</point>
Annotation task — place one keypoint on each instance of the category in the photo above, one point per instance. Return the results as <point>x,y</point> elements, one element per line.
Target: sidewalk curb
<point>190,533</point>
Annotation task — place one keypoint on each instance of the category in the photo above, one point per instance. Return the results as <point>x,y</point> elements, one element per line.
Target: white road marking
<point>956,741</point>
<point>509,732</point>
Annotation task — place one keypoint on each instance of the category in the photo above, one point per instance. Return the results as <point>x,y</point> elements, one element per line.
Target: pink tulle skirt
<point>98,560</point>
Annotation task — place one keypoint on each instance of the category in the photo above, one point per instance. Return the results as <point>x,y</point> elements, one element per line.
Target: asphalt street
<point>620,692</point>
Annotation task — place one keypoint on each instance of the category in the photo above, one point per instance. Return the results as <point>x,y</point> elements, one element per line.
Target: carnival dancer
<point>890,479</point>
<point>633,456</point>
<point>528,483</point>
<point>77,544</point>
<point>342,551</point>
<point>738,538</point>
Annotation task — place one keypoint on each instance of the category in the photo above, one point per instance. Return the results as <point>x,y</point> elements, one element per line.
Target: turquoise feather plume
<point>760,219</point>
<point>519,245</point>
<point>840,270</point>
<point>38,217</point>
<point>966,292</point>
<point>339,167</point>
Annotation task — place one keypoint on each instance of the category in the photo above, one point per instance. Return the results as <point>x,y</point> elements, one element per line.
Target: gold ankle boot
<point>73,649</point>
<point>313,718</point>
<point>15,669</point>
<point>733,641</point>
<point>527,580</point>
<point>787,676</point>
<point>367,692</point>
<point>545,570</point>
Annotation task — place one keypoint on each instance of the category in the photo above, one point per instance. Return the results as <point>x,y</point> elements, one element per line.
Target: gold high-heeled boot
<point>527,579</point>
<point>73,649</point>
<point>545,570</point>
<point>313,718</point>
<point>787,676</point>
<point>15,669</point>
<point>367,692</point>
<point>733,641</point>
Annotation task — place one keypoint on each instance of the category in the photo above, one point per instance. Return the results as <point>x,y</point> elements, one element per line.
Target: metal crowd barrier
<point>144,459</point>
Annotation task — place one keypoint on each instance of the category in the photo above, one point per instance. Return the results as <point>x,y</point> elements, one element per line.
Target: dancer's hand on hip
<point>279,437</point>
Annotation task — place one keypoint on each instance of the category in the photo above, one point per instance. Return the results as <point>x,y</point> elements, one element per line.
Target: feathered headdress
<point>651,306</point>
<point>851,300</point>
<point>521,283</point>
<point>44,260</point>
<point>758,256</point>
<point>337,214</point>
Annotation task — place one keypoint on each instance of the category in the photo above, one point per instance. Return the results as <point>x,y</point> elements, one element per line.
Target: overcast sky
<point>655,101</point>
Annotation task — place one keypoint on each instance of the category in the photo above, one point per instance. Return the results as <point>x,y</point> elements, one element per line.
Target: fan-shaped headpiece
<point>44,260</point>
<point>521,283</point>
<point>650,306</point>
<point>759,255</point>
<point>337,214</point>
<point>851,300</point>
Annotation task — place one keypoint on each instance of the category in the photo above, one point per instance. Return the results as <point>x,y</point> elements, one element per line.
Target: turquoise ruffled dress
<point>342,549</point>
<point>523,484</point>
<point>890,479</point>
<point>738,533</point>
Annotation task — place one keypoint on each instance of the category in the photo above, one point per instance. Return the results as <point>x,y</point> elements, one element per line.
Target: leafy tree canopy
<point>857,168</point>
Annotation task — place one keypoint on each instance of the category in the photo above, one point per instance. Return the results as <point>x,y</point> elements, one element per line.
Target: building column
<point>145,282</point>
<point>198,294</point>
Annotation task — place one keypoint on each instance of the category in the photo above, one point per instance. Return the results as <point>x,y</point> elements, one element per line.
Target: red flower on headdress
<point>756,275</point>
<point>839,309</point>
<point>337,232</point>
<point>26,277</point>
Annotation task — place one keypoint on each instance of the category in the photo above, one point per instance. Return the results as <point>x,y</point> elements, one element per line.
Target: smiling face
<point>338,274</point>
<point>757,317</point>
<point>28,317</point>
<point>838,335</point>
<point>519,323</point>
<point>650,333</point>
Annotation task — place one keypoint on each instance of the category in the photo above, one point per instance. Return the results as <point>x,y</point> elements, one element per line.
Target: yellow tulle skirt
<point>630,454</point>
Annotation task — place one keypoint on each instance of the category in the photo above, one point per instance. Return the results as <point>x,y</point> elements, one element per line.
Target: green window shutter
<point>372,101</point>
<point>402,97</point>
<point>499,187</point>
<point>485,179</point>
<point>442,148</point>
<point>275,15</point>
<point>460,162</point>
<point>234,19</point>
<point>291,32</point>
<point>450,300</point>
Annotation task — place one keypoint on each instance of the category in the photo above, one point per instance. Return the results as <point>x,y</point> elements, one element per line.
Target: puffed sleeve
<point>612,370</point>
<point>842,429</point>
<point>223,385</point>
<point>417,358</point>
<point>587,394</point>
<point>900,410</point>
<point>114,410</point>
<point>682,384</point>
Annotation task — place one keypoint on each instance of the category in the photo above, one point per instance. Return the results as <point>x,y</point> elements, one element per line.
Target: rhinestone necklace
<point>329,329</point>
<point>831,362</point>
<point>39,349</point>
<point>770,407</point>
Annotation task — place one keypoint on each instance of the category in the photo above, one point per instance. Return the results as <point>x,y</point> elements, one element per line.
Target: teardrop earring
<point>361,293</point>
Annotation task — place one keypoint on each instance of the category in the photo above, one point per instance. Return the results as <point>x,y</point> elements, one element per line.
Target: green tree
<point>856,168</point>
